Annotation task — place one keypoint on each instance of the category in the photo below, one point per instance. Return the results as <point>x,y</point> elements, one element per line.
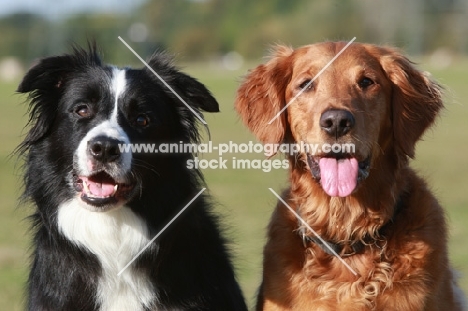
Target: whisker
<point>144,164</point>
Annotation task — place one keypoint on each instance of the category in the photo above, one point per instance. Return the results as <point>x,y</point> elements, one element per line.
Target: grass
<point>242,195</point>
<point>13,228</point>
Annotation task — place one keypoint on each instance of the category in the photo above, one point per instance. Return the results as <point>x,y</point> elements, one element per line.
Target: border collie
<point>97,207</point>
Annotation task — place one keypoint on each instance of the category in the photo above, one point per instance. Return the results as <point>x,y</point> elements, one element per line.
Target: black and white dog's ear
<point>191,90</point>
<point>45,83</point>
<point>45,77</point>
<point>196,93</point>
<point>49,74</point>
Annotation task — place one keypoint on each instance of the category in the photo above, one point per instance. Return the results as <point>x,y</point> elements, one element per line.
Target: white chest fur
<point>115,237</point>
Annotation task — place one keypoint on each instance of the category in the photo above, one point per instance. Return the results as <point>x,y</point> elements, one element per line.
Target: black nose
<point>337,122</point>
<point>104,149</point>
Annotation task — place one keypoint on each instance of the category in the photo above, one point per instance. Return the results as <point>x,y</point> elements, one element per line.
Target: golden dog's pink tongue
<point>338,177</point>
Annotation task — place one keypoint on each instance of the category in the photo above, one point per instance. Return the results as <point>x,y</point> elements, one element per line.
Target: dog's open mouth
<point>339,175</point>
<point>101,189</point>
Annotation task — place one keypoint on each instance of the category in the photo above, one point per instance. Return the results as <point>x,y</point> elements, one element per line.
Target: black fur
<point>188,264</point>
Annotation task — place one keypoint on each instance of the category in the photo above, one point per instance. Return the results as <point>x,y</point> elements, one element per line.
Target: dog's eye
<point>83,111</point>
<point>365,82</point>
<point>306,85</point>
<point>142,120</point>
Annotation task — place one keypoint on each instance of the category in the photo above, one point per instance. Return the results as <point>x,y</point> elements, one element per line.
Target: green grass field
<point>242,195</point>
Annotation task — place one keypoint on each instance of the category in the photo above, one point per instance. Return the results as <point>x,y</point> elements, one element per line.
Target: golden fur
<point>404,263</point>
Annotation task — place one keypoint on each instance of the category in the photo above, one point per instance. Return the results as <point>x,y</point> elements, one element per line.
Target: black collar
<point>351,247</point>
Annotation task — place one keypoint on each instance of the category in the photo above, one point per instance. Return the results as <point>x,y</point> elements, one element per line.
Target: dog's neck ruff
<point>350,247</point>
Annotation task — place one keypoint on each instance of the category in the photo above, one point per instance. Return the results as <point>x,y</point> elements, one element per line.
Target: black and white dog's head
<point>82,111</point>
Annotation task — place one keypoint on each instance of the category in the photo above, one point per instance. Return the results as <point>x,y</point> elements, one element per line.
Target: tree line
<point>203,29</point>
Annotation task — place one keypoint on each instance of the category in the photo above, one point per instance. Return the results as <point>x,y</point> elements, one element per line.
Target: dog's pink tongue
<point>338,177</point>
<point>100,188</point>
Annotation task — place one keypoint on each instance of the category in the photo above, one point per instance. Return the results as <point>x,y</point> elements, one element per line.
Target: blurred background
<point>217,42</point>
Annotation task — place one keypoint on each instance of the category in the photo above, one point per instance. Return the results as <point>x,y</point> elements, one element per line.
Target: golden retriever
<point>387,230</point>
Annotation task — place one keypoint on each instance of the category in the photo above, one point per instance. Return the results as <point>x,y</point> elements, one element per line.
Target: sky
<point>62,8</point>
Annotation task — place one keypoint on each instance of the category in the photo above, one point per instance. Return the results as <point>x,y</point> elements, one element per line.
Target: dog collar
<point>349,248</point>
<point>343,250</point>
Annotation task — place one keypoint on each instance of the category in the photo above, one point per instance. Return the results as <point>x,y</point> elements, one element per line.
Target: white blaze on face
<point>118,88</point>
<point>109,128</point>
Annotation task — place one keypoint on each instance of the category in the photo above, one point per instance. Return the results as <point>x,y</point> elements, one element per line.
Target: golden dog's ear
<point>416,100</point>
<point>261,97</point>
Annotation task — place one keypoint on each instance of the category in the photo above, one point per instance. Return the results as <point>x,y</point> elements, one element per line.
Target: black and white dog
<point>97,207</point>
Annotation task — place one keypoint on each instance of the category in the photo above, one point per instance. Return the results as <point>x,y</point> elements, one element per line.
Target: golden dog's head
<point>369,105</point>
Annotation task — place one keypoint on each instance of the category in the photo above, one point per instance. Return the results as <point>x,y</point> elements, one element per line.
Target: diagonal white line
<point>311,81</point>
<point>160,232</point>
<point>162,80</point>
<point>313,231</point>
